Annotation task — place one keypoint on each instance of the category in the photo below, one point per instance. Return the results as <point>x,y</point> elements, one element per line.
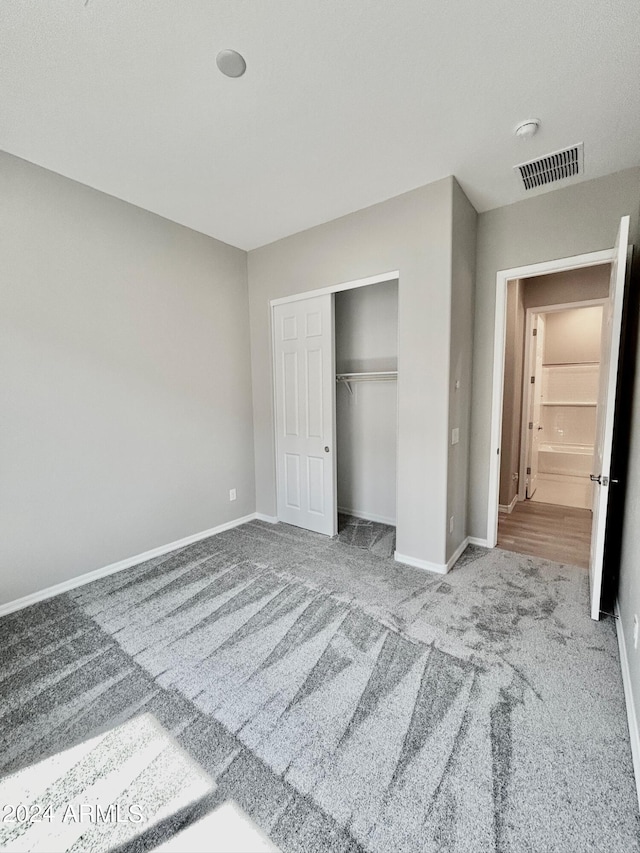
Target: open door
<point>535,411</point>
<point>304,359</point>
<point>611,329</point>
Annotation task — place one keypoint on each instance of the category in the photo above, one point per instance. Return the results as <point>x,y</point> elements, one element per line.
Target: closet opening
<point>366,346</point>
<point>335,358</point>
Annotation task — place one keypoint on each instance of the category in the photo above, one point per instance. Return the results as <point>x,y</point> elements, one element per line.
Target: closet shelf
<point>367,376</point>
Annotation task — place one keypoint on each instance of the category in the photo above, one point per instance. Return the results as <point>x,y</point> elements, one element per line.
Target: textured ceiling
<point>343,103</point>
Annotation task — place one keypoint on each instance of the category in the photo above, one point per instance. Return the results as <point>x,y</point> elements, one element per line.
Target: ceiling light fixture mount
<point>231,63</point>
<point>527,129</point>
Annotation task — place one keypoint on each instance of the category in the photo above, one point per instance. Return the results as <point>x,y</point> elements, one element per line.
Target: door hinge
<point>535,332</point>
<point>528,470</point>
<point>530,424</point>
<point>533,380</point>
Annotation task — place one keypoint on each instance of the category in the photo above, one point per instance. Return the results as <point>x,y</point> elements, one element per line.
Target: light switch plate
<point>455,435</point>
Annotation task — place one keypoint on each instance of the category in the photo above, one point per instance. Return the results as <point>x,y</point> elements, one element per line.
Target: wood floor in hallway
<point>559,533</point>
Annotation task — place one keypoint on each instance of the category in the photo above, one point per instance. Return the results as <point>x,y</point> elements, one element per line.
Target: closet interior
<point>366,349</point>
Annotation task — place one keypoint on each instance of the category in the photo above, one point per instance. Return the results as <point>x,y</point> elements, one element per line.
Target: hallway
<point>558,533</point>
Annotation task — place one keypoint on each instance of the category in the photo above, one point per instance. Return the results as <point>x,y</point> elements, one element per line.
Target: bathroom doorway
<point>560,396</point>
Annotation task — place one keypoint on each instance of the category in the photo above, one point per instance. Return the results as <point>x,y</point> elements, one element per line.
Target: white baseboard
<point>453,559</point>
<point>632,716</point>
<point>81,580</point>
<point>367,516</point>
<point>508,507</point>
<point>438,568</point>
<point>270,519</point>
<point>475,540</point>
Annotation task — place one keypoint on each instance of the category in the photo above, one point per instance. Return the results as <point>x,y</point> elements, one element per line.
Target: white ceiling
<point>344,103</point>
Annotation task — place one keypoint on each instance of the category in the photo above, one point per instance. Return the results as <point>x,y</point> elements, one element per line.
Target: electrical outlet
<point>451,525</point>
<point>635,631</point>
<point>455,435</point>
<point>232,495</point>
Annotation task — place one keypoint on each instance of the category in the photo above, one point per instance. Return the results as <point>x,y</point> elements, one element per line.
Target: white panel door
<point>611,328</point>
<point>535,416</point>
<point>303,337</point>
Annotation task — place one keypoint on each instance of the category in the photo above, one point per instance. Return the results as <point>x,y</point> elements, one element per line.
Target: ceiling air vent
<point>558,166</point>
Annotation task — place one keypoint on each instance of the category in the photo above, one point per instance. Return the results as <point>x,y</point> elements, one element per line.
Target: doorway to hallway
<point>601,473</point>
<point>551,386</point>
<point>558,533</point>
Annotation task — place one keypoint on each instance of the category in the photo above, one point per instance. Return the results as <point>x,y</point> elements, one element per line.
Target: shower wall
<point>571,368</point>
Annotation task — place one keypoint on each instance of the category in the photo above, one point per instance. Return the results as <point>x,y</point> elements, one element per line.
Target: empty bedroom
<point>320,427</point>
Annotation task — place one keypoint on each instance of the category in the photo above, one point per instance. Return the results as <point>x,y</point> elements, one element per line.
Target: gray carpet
<point>343,701</point>
<point>378,538</point>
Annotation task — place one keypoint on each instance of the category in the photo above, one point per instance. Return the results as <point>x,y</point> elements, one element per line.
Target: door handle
<point>326,450</point>
<point>595,479</point>
<point>540,428</point>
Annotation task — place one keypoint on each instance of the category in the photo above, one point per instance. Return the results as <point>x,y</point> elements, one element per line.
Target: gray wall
<point>463,270</point>
<point>568,286</point>
<point>367,418</point>
<point>573,336</point>
<point>570,221</point>
<point>125,381</point>
<point>410,233</point>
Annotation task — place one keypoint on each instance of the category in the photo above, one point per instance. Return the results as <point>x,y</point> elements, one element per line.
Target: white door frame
<point>393,275</point>
<point>589,259</point>
<point>526,386</point>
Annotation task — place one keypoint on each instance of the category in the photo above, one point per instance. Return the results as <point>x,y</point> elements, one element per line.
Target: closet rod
<point>348,378</point>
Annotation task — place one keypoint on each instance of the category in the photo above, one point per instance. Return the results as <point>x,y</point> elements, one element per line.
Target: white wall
<point>570,373</point>
<point>125,380</point>
<point>410,233</point>
<point>367,339</point>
